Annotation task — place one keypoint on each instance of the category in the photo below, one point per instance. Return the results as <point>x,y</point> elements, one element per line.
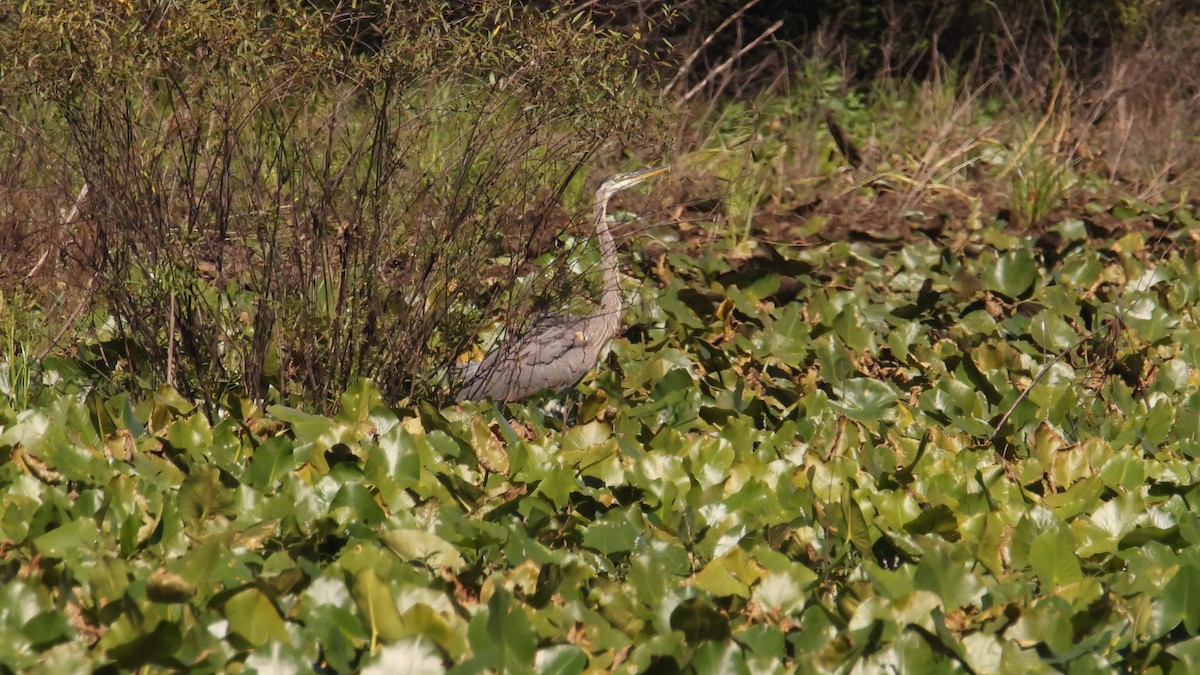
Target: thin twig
<point>687,63</point>
<point>67,220</point>
<point>171,345</point>
<point>729,61</point>
<point>67,324</point>
<point>1033,384</point>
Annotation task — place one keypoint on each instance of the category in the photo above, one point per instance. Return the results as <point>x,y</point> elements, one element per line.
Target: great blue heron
<point>559,349</point>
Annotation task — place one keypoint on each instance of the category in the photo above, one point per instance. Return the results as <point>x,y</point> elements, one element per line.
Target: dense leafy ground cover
<point>968,455</point>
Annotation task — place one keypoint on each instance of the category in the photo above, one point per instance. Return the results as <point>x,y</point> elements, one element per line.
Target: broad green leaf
<point>252,615</point>
<point>358,400</point>
<point>715,658</point>
<point>307,427</point>
<point>613,534</point>
<point>866,400</point>
<point>762,640</point>
<point>855,530</point>
<point>203,495</point>
<point>271,460</point>
<point>377,606</point>
<point>948,578</point>
<point>1123,471</point>
<point>1012,274</point>
<point>191,434</point>
<point>47,628</point>
<point>70,540</point>
<point>424,547</point>
<point>1181,598</point>
<point>560,660</point>
<point>835,363</point>
<point>1047,622</point>
<point>731,574</point>
<point>1052,332</point>
<point>1053,559</point>
<point>583,437</point>
<point>503,635</point>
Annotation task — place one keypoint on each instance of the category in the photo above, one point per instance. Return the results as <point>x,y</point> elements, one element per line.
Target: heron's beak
<point>648,173</point>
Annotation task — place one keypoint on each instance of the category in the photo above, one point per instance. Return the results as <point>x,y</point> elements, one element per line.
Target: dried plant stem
<point>687,63</point>
<point>725,65</point>
<point>1038,378</point>
<point>171,345</point>
<point>67,220</point>
<point>1037,130</point>
<point>70,320</point>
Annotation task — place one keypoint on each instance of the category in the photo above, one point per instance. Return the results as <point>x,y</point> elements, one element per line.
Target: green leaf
<point>715,658</point>
<point>731,574</point>
<point>613,534</point>
<point>424,547</point>
<point>585,436</point>
<point>377,606</point>
<point>308,428</point>
<point>47,628</point>
<point>203,496</point>
<point>252,615</point>
<point>358,400</point>
<point>503,635</point>
<point>1047,622</point>
<point>191,434</point>
<point>1012,274</point>
<point>272,460</point>
<point>855,527</point>
<point>560,660</point>
<point>948,577</point>
<point>70,540</point>
<point>1051,332</point>
<point>866,400</point>
<point>1181,598</point>
<point>1053,559</point>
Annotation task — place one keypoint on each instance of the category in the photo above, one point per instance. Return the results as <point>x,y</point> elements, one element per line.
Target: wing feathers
<point>555,354</point>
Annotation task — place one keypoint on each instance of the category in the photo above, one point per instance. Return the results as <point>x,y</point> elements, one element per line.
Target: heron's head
<point>623,181</point>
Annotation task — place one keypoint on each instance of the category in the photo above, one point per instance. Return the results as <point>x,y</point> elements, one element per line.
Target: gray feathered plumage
<point>559,349</point>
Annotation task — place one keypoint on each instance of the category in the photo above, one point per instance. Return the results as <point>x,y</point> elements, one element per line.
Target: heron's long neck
<point>610,303</point>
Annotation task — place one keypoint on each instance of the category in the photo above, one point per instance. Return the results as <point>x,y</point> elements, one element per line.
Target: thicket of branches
<point>735,47</point>
<point>270,205</point>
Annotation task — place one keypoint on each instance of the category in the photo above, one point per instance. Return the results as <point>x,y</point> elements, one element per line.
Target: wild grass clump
<point>826,154</point>
<point>276,203</point>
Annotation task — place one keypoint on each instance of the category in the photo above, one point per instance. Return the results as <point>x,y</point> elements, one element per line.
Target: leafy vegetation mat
<point>918,458</point>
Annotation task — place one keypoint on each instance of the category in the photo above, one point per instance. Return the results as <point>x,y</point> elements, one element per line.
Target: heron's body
<point>559,349</point>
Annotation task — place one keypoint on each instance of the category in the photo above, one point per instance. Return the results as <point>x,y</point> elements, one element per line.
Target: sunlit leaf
<point>1053,559</point>
<point>865,399</point>
<point>1181,598</point>
<point>1011,274</point>
<point>378,606</point>
<point>252,615</point>
<point>423,547</point>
